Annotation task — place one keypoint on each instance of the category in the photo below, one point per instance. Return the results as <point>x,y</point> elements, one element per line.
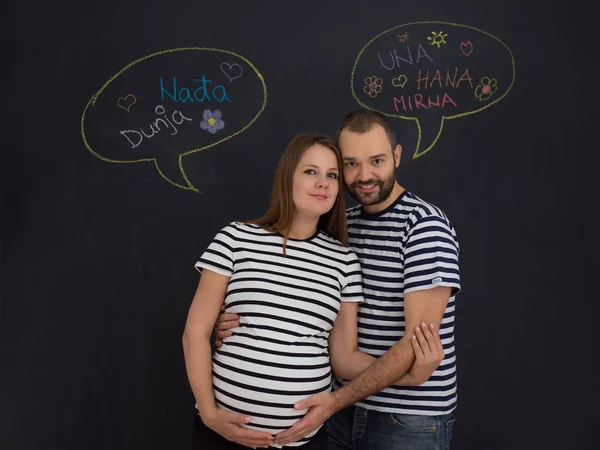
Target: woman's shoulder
<point>246,230</point>
<point>334,244</point>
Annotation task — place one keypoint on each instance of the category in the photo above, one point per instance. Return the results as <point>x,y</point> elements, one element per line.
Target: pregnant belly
<point>267,390</point>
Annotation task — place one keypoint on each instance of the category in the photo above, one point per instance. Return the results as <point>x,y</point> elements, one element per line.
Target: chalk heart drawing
<point>231,71</point>
<point>126,102</point>
<point>400,81</point>
<point>466,48</point>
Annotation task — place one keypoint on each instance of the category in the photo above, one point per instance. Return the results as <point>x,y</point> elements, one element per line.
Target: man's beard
<point>382,194</point>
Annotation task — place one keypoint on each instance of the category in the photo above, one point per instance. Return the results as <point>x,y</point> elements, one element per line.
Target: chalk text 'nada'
<point>202,93</point>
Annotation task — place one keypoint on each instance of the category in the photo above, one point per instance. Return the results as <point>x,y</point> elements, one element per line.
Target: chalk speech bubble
<point>171,104</point>
<point>432,71</point>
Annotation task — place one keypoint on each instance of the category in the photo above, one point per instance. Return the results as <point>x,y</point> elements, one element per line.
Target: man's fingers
<point>434,341</point>
<point>302,404</point>
<point>292,438</point>
<point>227,325</point>
<point>438,340</point>
<point>307,403</point>
<point>422,341</point>
<point>425,339</point>
<point>416,347</point>
<point>227,317</point>
<point>293,434</point>
<point>429,336</point>
<point>223,334</point>
<point>283,437</point>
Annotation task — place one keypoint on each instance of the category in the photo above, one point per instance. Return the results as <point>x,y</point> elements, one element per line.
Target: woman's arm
<point>202,315</point>
<point>345,358</point>
<point>347,361</point>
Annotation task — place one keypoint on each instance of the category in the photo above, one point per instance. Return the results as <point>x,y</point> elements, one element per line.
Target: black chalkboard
<point>135,130</point>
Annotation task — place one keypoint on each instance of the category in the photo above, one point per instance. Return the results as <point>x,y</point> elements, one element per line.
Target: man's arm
<point>420,307</point>
<point>223,326</point>
<point>343,346</point>
<point>347,361</point>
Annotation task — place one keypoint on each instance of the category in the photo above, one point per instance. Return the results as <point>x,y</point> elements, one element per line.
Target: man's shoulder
<point>421,208</point>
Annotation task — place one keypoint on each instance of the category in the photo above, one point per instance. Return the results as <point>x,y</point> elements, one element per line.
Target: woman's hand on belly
<point>227,424</point>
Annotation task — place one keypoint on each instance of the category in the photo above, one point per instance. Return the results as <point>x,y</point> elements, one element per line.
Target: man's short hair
<point>363,120</point>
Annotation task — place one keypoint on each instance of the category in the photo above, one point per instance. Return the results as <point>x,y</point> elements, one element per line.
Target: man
<point>409,256</point>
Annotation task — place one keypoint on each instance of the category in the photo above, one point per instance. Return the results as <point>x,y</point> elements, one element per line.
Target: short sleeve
<point>219,256</point>
<point>353,290</point>
<point>431,256</point>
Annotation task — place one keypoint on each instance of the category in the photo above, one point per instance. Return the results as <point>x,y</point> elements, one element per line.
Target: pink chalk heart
<point>466,48</point>
<point>231,71</point>
<point>126,102</point>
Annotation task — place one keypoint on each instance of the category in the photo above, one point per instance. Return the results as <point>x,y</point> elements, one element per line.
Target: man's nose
<point>364,173</point>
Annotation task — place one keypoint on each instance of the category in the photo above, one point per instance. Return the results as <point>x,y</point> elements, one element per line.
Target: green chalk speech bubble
<point>430,72</point>
<point>171,104</point>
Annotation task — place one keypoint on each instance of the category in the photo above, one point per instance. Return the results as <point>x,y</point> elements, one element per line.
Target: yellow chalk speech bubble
<point>171,104</point>
<point>432,71</point>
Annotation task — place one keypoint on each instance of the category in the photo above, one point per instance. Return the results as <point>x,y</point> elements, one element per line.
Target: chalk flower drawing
<point>373,86</point>
<point>402,37</point>
<point>486,89</point>
<point>212,121</point>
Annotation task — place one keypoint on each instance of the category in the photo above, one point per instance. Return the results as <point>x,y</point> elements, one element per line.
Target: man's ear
<point>397,154</point>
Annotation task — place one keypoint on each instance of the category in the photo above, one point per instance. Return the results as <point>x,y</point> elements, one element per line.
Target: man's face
<point>368,165</point>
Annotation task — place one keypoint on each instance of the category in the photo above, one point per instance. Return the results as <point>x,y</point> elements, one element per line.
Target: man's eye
<point>377,161</point>
<point>350,164</point>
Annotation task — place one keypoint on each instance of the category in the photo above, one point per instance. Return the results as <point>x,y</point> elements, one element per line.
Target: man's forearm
<point>384,372</point>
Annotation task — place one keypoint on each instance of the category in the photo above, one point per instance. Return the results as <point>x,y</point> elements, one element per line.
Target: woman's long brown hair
<point>280,214</point>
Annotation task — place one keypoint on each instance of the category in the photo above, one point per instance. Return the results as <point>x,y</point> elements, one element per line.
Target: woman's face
<point>315,184</point>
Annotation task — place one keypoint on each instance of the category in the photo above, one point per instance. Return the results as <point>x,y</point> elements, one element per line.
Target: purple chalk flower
<point>212,121</point>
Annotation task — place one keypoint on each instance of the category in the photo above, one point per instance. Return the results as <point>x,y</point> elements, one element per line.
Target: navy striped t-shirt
<point>407,247</point>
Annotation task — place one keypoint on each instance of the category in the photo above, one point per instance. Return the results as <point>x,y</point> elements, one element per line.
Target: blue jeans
<point>356,428</point>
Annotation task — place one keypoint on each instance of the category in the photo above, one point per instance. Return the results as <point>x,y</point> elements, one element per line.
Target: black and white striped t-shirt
<point>407,247</point>
<point>287,305</point>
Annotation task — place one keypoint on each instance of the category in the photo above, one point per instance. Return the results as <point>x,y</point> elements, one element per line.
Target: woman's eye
<point>310,171</point>
<point>333,175</point>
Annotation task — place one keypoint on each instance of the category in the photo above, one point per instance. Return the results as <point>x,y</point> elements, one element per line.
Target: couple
<point>306,295</point>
